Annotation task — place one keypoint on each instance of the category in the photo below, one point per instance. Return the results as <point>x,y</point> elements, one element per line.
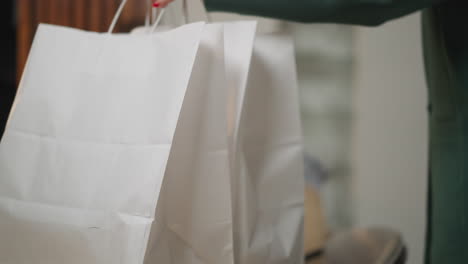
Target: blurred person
<point>446,57</point>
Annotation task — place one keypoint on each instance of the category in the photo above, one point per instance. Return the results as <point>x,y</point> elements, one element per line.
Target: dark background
<point>7,60</point>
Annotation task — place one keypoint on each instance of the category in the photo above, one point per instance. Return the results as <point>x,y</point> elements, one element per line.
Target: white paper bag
<point>193,219</point>
<point>194,215</point>
<point>268,187</point>
<point>85,151</point>
<point>265,148</point>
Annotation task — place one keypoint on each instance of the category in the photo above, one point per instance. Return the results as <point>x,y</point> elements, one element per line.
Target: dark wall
<point>7,60</point>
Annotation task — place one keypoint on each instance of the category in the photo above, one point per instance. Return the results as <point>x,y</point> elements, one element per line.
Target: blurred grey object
<point>315,173</point>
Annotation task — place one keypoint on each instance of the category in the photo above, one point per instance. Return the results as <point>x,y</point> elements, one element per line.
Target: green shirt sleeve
<point>358,12</point>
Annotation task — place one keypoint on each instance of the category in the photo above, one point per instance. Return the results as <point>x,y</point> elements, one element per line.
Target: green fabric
<point>361,12</point>
<point>446,54</point>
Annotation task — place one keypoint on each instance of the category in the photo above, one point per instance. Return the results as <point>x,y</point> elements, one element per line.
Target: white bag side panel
<point>269,181</point>
<point>194,216</point>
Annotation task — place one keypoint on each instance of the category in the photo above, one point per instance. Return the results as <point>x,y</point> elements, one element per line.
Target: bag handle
<point>147,21</point>
<point>158,20</point>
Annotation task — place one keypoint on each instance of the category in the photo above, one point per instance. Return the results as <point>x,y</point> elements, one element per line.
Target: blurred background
<point>363,100</point>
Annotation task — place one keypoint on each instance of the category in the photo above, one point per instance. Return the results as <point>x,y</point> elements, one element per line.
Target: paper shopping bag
<point>265,148</point>
<point>221,68</point>
<point>86,148</point>
<point>263,231</point>
<point>193,218</point>
<point>267,177</point>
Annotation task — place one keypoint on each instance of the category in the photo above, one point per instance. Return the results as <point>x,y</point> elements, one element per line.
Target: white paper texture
<point>85,151</point>
<point>194,216</point>
<point>268,187</point>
